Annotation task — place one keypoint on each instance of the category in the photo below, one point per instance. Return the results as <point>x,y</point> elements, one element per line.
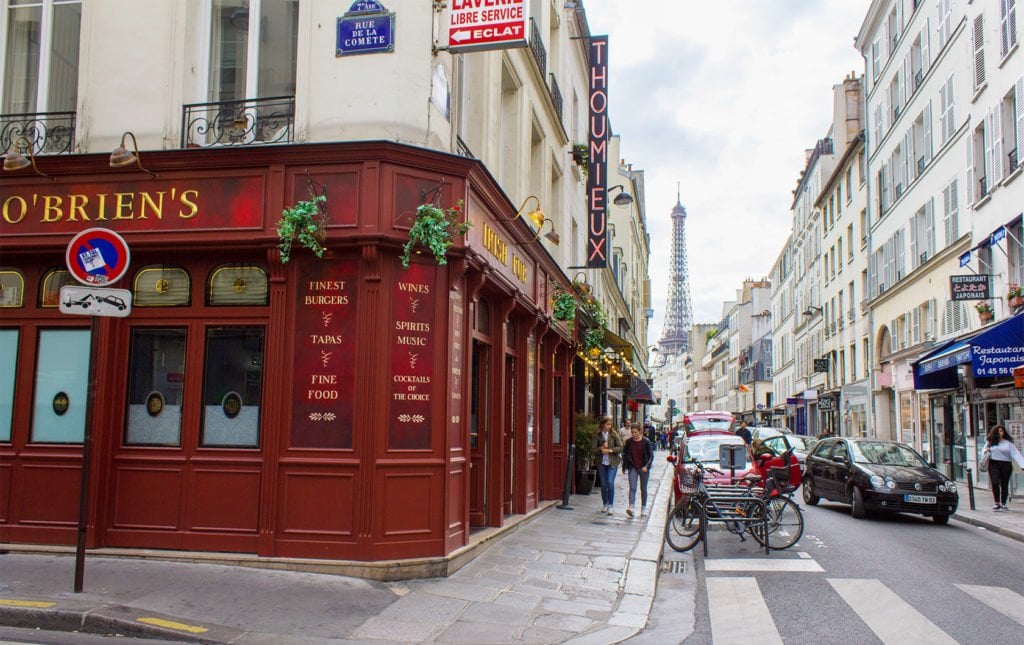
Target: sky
<point>722,98</point>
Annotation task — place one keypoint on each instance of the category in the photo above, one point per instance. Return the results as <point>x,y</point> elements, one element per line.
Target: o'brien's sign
<point>597,164</point>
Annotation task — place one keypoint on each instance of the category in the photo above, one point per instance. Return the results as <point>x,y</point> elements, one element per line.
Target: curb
<point>988,526</point>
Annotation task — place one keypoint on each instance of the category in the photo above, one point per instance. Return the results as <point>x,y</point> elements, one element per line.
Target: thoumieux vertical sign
<point>597,164</point>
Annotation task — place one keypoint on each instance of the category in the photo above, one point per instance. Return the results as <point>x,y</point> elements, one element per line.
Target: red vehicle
<point>707,421</point>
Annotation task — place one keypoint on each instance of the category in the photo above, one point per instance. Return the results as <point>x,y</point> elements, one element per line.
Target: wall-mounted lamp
<point>122,157</point>
<point>538,219</point>
<point>812,310</point>
<point>623,198</point>
<point>15,160</point>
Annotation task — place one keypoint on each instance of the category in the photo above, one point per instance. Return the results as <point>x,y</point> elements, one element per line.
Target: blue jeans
<point>634,475</point>
<point>607,476</point>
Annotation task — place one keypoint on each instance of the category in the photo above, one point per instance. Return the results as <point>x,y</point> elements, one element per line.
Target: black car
<point>877,475</point>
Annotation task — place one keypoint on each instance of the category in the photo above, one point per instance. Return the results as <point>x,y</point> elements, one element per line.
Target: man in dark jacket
<point>744,433</point>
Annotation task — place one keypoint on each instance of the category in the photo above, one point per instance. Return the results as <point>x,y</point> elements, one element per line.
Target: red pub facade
<point>340,408</point>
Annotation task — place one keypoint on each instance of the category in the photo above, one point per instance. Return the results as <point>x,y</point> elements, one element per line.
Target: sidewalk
<point>1008,523</point>
<point>565,576</point>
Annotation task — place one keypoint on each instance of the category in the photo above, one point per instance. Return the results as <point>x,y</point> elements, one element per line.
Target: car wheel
<point>809,497</point>
<point>940,519</point>
<point>857,504</point>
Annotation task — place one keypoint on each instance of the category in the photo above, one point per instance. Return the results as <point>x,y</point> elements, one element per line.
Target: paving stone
<point>628,620</point>
<point>534,634</point>
<point>520,552</point>
<point>577,608</point>
<point>499,614</point>
<point>552,556</point>
<point>635,604</point>
<point>613,634</point>
<point>498,579</point>
<point>564,622</point>
<point>468,632</point>
<point>539,583</point>
<point>380,628</point>
<point>463,591</point>
<point>518,599</point>
<point>424,609</point>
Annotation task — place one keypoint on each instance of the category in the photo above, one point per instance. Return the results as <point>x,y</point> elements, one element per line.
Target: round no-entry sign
<point>97,256</point>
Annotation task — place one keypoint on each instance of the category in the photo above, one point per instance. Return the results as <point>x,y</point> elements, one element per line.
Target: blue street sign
<point>965,259</point>
<point>998,235</point>
<point>366,28</point>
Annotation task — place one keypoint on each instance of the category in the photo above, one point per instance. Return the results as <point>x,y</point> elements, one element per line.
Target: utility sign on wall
<point>486,24</point>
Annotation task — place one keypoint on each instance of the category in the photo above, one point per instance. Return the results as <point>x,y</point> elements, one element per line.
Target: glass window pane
<point>229,49</point>
<point>21,71</point>
<point>8,361</point>
<point>232,387</point>
<point>12,289</point>
<point>62,369</point>
<point>155,387</point>
<point>162,286</point>
<point>49,295</point>
<point>279,30</point>
<point>234,284</point>
<point>63,95</point>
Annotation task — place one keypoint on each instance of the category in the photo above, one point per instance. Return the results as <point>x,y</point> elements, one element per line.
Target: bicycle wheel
<point>785,524</point>
<point>682,528</point>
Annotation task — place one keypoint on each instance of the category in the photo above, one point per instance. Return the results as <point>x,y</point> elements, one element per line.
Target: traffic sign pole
<point>83,493</point>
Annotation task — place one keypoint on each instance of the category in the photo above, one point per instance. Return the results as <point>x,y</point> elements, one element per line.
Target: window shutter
<point>1012,24</point>
<point>926,35</point>
<point>916,335</point>
<point>1004,19</point>
<point>907,159</point>
<point>997,145</point>
<point>926,148</point>
<point>1019,101</point>
<point>955,210</point>
<point>915,254</point>
<point>970,169</point>
<point>929,227</point>
<point>978,43</point>
<point>942,113</point>
<point>908,79</point>
<point>929,325</point>
<point>893,339</point>
<point>986,163</point>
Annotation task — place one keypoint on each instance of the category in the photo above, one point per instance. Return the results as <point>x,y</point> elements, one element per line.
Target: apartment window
<point>922,234</point>
<point>41,68</point>
<point>920,59</point>
<point>1015,254</point>
<point>945,21</point>
<point>866,355</point>
<point>876,61</point>
<point>1009,119</point>
<point>920,141</point>
<point>853,361</point>
<point>849,185</point>
<point>950,213</point>
<point>839,254</point>
<point>947,125</point>
<point>979,150</point>
<point>261,67</point>
<point>839,200</point>
<point>849,242</point>
<point>1007,26</point>
<point>863,228</point>
<point>977,45</point>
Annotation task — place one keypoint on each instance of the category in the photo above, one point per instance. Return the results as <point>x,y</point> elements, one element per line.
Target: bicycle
<point>767,512</point>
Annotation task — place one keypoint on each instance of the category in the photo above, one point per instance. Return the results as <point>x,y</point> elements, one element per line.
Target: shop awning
<point>993,352</point>
<point>640,391</point>
<point>619,344</point>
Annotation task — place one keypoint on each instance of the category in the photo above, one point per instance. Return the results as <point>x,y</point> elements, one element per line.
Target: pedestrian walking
<point>608,444</point>
<point>637,460</point>
<point>1001,453</point>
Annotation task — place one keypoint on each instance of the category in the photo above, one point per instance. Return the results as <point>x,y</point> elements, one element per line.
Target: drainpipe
<point>872,372</point>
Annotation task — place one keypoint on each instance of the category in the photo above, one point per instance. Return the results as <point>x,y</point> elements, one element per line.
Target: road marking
<point>1007,602</point>
<point>170,624</point>
<point>41,604</point>
<point>788,565</point>
<point>888,615</point>
<point>739,615</point>
<point>804,554</point>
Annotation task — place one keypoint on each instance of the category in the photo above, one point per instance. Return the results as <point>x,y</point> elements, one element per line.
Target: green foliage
<point>303,222</point>
<point>564,305</point>
<point>593,338</point>
<point>585,429</point>
<point>581,156</point>
<point>435,228</point>
<point>711,334</point>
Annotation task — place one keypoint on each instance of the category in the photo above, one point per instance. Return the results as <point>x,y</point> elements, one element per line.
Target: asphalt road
<point>885,579</point>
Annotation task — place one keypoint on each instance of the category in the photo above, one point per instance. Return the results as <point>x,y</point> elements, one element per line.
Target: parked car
<point>780,442</point>
<point>695,423</point>
<point>704,447</point>
<point>877,475</point>
<point>113,301</point>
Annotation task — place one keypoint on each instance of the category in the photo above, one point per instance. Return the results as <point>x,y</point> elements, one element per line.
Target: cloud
<point>722,99</point>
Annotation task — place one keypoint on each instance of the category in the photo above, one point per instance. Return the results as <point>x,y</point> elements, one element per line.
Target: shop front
<point>342,407</point>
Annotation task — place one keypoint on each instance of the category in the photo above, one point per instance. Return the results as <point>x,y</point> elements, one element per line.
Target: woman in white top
<point>1001,453</point>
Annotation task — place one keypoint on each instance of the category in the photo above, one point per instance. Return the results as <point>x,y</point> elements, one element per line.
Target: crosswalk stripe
<point>891,618</point>
<point>1005,601</point>
<point>739,615</point>
<point>788,565</point>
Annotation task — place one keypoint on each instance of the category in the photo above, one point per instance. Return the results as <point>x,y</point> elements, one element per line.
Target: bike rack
<point>724,498</point>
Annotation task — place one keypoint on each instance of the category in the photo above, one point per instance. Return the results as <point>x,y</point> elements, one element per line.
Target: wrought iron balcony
<point>920,165</point>
<point>918,79</point>
<point>1013,160</point>
<point>234,123</point>
<point>46,132</point>
<point>983,185</point>
<point>537,48</point>
<point>556,95</point>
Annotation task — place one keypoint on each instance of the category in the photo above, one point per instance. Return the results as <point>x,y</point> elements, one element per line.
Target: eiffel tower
<point>675,334</point>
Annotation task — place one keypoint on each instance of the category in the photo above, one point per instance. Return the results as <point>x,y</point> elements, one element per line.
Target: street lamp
<point>623,198</point>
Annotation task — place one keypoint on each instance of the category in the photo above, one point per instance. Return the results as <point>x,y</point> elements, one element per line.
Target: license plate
<point>919,499</point>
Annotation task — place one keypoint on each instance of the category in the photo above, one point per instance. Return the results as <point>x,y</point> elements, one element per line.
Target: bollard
<point>970,488</point>
<point>570,464</point>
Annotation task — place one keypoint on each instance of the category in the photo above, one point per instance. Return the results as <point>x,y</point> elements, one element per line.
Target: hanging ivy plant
<point>435,228</point>
<point>581,156</point>
<point>305,222</point>
<point>564,305</point>
<point>593,340</point>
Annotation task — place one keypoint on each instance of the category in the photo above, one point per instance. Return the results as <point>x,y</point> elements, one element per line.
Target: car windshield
<point>701,425</point>
<point>885,454</point>
<point>706,448</point>
<point>801,443</point>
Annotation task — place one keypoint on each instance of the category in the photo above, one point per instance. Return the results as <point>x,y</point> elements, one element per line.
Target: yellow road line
<point>9,602</point>
<point>170,624</point>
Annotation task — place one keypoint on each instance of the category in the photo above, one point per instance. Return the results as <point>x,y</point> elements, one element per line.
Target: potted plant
<point>581,156</point>
<point>1015,295</point>
<point>435,228</point>
<point>564,304</point>
<point>305,222</point>
<point>984,311</point>
<point>593,340</point>
<point>585,428</point>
